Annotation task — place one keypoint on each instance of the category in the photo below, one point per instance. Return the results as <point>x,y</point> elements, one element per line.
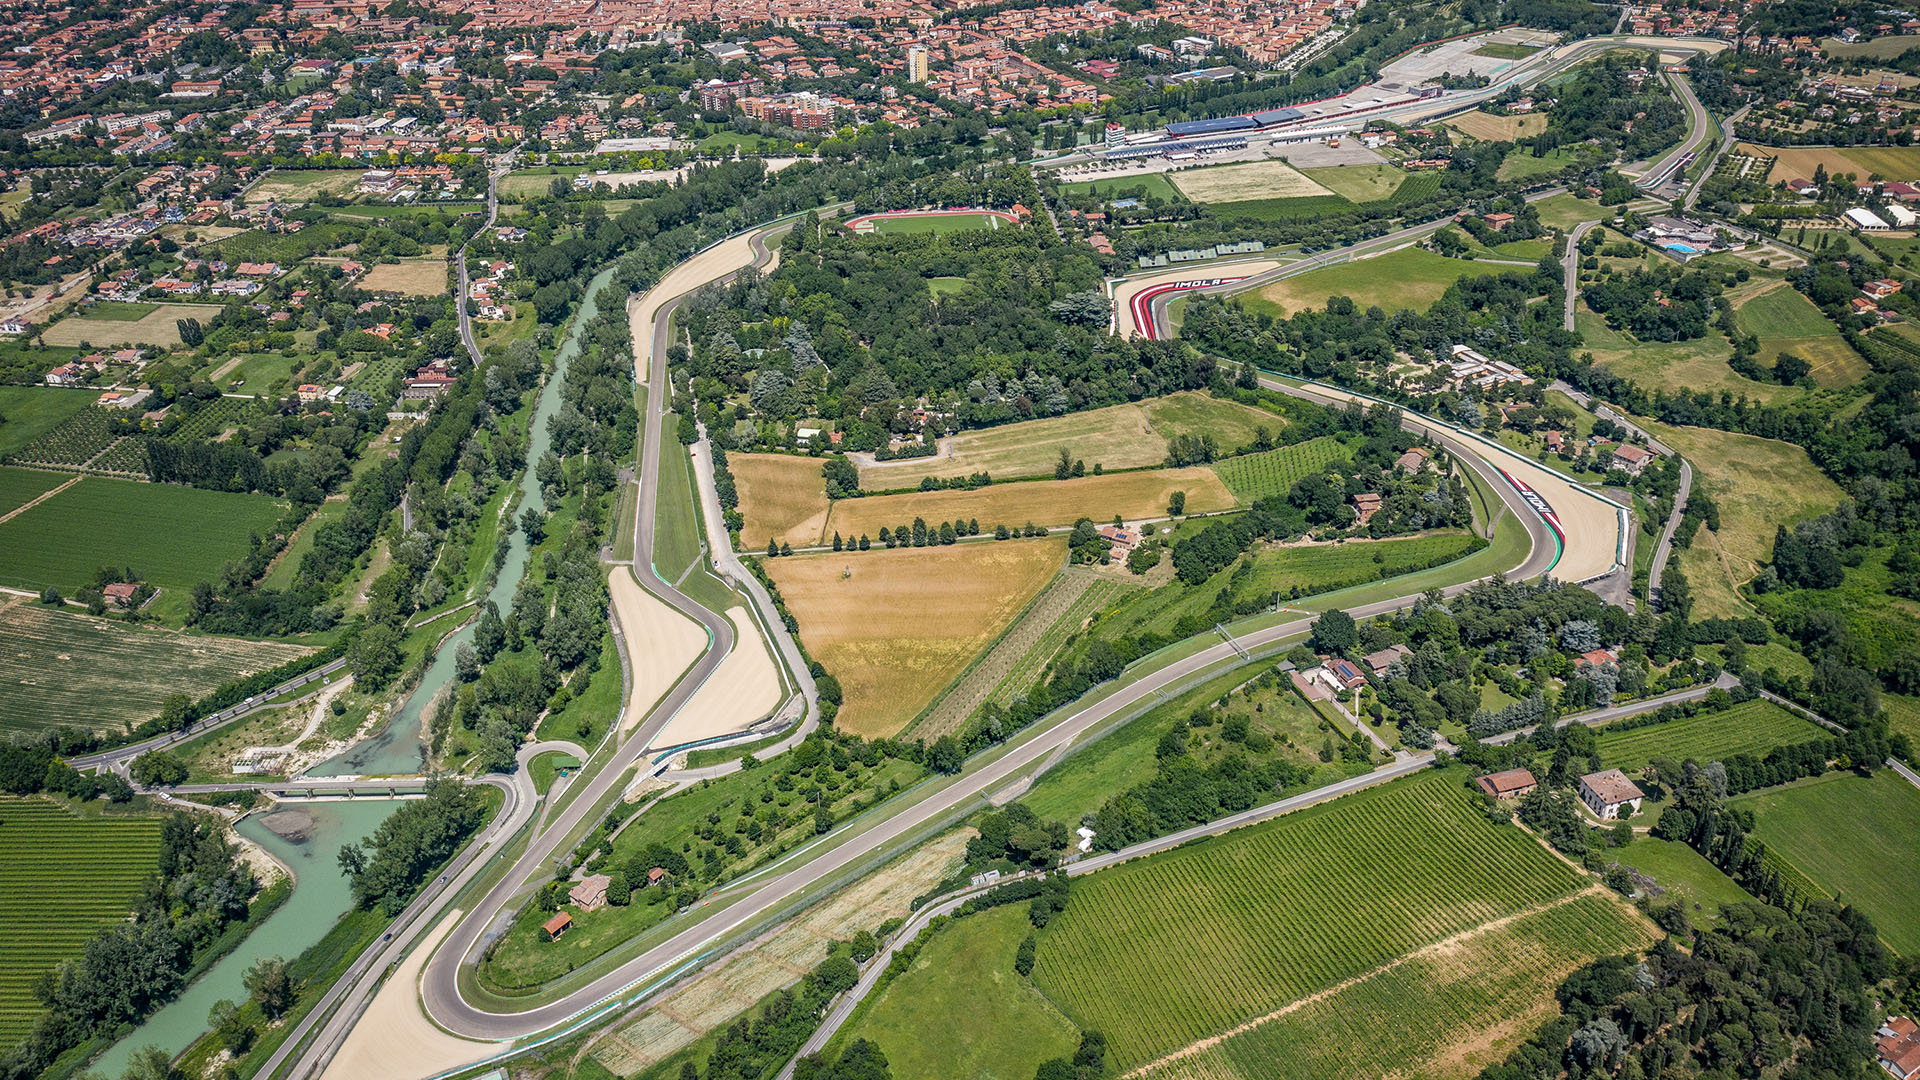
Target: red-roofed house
<point>1897,1045</point>
<point>1508,784</point>
<point>1606,793</point>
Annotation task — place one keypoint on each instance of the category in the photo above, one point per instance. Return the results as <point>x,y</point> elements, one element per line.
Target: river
<point>400,749</point>
<point>308,839</point>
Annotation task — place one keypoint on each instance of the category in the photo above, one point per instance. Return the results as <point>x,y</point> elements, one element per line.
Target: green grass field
<point>678,520</point>
<point>1274,472</point>
<point>1167,950</point>
<point>1455,1010</point>
<point>62,877</point>
<point>1409,278</point>
<point>962,1013</point>
<point>1358,183</point>
<point>258,373</point>
<point>175,536</point>
<point>21,486</point>
<point>1685,875</point>
<point>1850,835</point>
<point>1752,727</point>
<point>1120,187</point>
<point>936,223</point>
<point>28,412</point>
<point>118,311</point>
<point>1566,211</point>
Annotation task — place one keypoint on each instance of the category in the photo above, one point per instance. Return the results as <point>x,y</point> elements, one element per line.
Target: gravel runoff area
<point>661,643</point>
<point>743,690</point>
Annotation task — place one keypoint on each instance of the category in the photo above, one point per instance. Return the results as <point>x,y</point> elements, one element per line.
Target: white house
<point>1609,794</point>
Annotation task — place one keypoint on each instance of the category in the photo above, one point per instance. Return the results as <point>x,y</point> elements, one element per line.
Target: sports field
<point>173,536</point>
<point>1131,495</point>
<point>62,878</point>
<point>28,412</point>
<point>1116,437</point>
<point>1786,321</point>
<point>1152,183</point>
<point>1849,834</point>
<point>782,497</point>
<point>1799,162</point>
<point>930,221</point>
<point>64,668</point>
<point>1452,1008</point>
<point>1409,278</point>
<point>962,1012</point>
<point>408,277</point>
<point>1244,182</point>
<point>1358,183</point>
<point>897,626</point>
<point>1751,727</point>
<point>1490,128</point>
<point>159,326</point>
<point>1166,951</point>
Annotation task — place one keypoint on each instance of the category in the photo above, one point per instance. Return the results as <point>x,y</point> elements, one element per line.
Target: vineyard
<point>1015,662</point>
<point>206,422</point>
<point>78,440</point>
<point>1752,727</point>
<point>1274,472</point>
<point>19,487</point>
<point>1458,1005</point>
<point>48,665</point>
<point>1169,949</point>
<point>173,536</point>
<point>62,878</point>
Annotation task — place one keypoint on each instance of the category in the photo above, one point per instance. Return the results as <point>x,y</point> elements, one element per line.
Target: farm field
<point>1245,182</point>
<point>299,185</point>
<point>258,373</point>
<point>781,496</point>
<point>1274,472</point>
<point>72,443</point>
<point>51,666</point>
<point>1178,947</point>
<point>157,327</point>
<point>1786,321</point>
<point>1686,876</point>
<point>1153,183</point>
<point>185,535</point>
<point>1487,127</point>
<point>1447,1010</point>
<point>1758,483</point>
<point>408,277</point>
<point>1409,278</point>
<point>1016,661</point>
<point>962,1012</point>
<point>1903,714</point>
<point>28,412</point>
<point>1116,437</point>
<point>1880,48</point>
<point>1358,183</point>
<point>1521,164</point>
<point>19,487</point>
<point>1132,495</point>
<point>87,870</point>
<point>1752,727</point>
<point>1799,162</point>
<point>892,657</point>
<point>1844,832</point>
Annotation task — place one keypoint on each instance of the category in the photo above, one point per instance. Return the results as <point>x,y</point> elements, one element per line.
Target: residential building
<point>1897,1045</point>
<point>590,892</point>
<point>1342,674</point>
<point>1609,794</point>
<point>1508,784</point>
<point>1379,662</point>
<point>1633,459</point>
<point>917,67</point>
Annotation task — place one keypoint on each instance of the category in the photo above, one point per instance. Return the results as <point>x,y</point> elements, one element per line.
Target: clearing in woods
<point>1133,496</point>
<point>408,277</point>
<point>907,621</point>
<point>1015,662</point>
<point>1116,437</point>
<point>61,668</point>
<point>1245,182</point>
<point>1446,1010</point>
<point>1844,832</point>
<point>62,878</point>
<point>1786,321</point>
<point>1174,948</point>
<point>781,496</point>
<point>184,535</point>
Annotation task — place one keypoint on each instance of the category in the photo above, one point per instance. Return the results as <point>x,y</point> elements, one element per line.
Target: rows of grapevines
<point>1274,472</point>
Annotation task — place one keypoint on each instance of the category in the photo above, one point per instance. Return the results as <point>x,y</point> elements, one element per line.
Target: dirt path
<point>38,499</point>
<point>320,703</point>
<point>1442,946</point>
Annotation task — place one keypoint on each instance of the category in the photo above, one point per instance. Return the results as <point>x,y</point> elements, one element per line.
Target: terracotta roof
<point>1502,784</point>
<point>557,923</point>
<point>1612,786</point>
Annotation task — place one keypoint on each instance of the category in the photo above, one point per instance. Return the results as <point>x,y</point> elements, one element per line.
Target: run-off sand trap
<point>718,261</point>
<point>394,1038</point>
<point>660,643</point>
<point>745,688</point>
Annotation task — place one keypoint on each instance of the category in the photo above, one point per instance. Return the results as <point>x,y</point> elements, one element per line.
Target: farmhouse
<point>1631,458</point>
<point>656,875</point>
<point>1508,784</point>
<point>1606,792</point>
<point>1123,540</point>
<point>1897,1045</point>
<point>1380,661</point>
<point>120,593</point>
<point>1342,674</point>
<point>590,892</point>
<point>430,381</point>
<point>1412,460</point>
<point>1365,505</point>
<point>1879,290</point>
<point>557,925</point>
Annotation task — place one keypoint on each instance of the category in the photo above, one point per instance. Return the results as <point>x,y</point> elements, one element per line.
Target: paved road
<point>118,758</point>
<point>460,300</point>
<point>1727,139</point>
<point>1571,261</point>
<point>1664,549</point>
<point>1668,171</point>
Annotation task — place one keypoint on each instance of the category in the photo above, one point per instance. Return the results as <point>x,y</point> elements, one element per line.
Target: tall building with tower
<point>917,64</point>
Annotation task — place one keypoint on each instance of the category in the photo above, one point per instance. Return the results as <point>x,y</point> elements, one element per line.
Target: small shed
<point>557,925</point>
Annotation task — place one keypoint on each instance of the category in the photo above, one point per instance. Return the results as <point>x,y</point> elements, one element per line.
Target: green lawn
<point>1409,278</point>
<point>1504,50</point>
<point>118,311</point>
<point>28,412</point>
<point>723,140</point>
<point>937,223</point>
<point>1358,183</point>
<point>1566,211</point>
<point>961,1012</point>
<point>259,373</point>
<point>284,569</point>
<point>1857,837</point>
<point>1695,883</point>
<point>173,536</point>
<point>1522,165</point>
<point>946,286</point>
<point>1121,187</point>
<point>1782,312</point>
<point>676,518</point>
